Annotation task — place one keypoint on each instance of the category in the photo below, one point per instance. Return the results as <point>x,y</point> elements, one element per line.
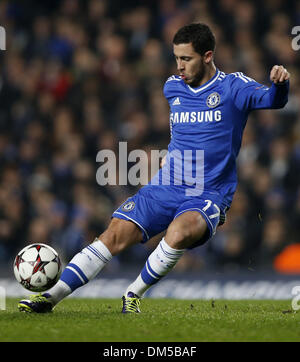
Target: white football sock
<point>160,262</point>
<point>82,268</point>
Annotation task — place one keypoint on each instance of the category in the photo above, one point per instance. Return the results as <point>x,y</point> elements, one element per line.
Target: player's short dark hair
<point>199,35</point>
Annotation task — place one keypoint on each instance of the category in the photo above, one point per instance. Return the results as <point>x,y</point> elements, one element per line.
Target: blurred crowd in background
<point>78,77</point>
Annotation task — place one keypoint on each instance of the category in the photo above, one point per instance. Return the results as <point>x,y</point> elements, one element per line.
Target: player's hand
<point>279,74</point>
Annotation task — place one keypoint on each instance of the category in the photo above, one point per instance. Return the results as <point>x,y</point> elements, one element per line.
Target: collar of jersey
<point>205,85</point>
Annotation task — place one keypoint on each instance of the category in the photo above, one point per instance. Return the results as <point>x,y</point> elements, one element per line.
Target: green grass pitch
<point>161,320</point>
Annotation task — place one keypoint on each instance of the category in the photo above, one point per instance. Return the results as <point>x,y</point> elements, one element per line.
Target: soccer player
<point>190,194</point>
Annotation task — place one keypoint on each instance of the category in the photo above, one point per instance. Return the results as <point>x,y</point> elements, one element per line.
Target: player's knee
<point>184,231</point>
<point>119,235</point>
<point>177,237</point>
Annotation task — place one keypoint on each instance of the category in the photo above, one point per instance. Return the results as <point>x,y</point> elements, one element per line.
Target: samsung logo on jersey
<point>193,117</point>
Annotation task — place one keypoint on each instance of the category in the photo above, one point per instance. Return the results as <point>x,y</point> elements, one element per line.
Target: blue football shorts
<point>153,208</point>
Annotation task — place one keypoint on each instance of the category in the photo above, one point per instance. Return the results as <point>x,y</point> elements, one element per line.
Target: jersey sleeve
<point>170,86</point>
<point>170,91</point>
<point>248,95</point>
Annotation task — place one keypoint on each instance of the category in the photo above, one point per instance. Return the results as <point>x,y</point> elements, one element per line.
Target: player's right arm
<point>247,94</point>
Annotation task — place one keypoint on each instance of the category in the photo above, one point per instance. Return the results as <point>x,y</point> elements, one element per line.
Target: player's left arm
<point>249,95</point>
<point>279,90</point>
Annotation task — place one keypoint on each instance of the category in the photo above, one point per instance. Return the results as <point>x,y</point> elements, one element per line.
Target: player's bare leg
<point>85,265</point>
<point>185,230</point>
<point>182,233</point>
<point>119,235</point>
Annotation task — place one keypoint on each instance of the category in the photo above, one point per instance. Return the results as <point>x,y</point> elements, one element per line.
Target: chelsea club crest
<point>213,100</point>
<point>128,206</point>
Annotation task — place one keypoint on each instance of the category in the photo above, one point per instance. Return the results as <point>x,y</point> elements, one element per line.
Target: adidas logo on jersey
<point>176,102</point>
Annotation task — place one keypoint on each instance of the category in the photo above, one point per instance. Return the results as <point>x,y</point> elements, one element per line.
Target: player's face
<point>190,64</point>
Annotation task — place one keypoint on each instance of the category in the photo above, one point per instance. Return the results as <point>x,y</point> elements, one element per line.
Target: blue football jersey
<point>206,126</point>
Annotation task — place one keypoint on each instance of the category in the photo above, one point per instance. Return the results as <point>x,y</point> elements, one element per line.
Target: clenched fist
<point>279,74</point>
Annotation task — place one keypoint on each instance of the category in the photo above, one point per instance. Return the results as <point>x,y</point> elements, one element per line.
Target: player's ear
<point>208,56</point>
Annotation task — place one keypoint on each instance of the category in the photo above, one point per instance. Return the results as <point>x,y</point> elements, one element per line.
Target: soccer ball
<point>37,267</point>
